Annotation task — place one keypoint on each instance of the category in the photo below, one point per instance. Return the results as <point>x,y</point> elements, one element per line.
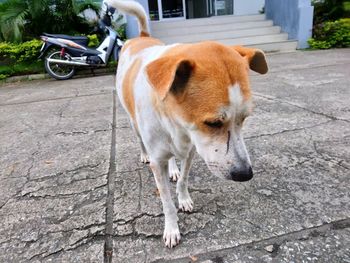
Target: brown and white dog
<point>186,97</point>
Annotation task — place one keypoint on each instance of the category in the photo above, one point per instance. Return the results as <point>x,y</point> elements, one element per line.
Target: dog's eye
<point>214,124</point>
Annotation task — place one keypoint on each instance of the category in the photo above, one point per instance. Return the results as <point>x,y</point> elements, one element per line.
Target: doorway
<point>221,7</point>
<point>207,8</point>
<point>166,10</point>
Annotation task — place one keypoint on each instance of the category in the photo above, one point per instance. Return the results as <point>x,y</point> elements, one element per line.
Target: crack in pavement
<point>288,130</point>
<point>133,219</point>
<point>54,99</point>
<point>32,195</point>
<point>132,222</point>
<point>300,67</point>
<point>140,192</point>
<point>44,255</point>
<point>86,227</point>
<point>74,171</point>
<point>108,246</point>
<point>327,158</point>
<point>276,241</point>
<point>273,98</point>
<point>73,133</point>
<point>76,207</point>
<point>144,168</point>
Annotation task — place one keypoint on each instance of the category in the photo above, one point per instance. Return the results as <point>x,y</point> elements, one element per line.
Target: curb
<point>80,74</point>
<point>26,78</point>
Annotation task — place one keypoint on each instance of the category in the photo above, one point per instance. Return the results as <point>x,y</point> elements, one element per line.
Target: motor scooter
<point>64,53</point>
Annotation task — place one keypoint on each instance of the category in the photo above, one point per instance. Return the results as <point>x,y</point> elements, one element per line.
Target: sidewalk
<point>56,179</point>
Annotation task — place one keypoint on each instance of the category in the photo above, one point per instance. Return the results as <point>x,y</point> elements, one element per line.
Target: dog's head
<point>205,88</point>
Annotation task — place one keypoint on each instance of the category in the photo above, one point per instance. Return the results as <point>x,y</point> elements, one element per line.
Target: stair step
<point>253,40</point>
<point>222,35</point>
<point>205,21</point>
<point>180,31</point>
<point>248,30</point>
<point>282,46</point>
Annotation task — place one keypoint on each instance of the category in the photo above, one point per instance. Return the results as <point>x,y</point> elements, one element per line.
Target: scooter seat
<point>82,40</point>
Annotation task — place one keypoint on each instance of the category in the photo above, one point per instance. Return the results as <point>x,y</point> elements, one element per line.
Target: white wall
<point>248,7</point>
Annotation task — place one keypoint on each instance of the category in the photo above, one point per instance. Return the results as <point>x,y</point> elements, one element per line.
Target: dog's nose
<point>241,175</point>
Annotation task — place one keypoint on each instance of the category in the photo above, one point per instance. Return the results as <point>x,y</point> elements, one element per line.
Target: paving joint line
<point>108,246</point>
<point>304,67</point>
<point>53,99</point>
<point>276,241</point>
<point>273,98</point>
<point>286,131</point>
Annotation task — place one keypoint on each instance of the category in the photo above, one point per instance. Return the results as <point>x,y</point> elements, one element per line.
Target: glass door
<point>221,7</point>
<point>207,8</point>
<point>166,10</point>
<point>198,8</point>
<point>172,9</point>
<point>153,10</point>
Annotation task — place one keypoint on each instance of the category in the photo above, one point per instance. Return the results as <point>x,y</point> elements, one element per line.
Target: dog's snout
<point>241,175</point>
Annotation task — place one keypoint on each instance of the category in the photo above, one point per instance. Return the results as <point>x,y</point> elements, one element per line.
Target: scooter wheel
<point>57,70</point>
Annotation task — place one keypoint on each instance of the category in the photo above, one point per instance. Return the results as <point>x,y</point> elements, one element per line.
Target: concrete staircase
<point>250,30</point>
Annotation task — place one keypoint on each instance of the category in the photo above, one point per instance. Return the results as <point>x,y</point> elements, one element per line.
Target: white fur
<point>157,146</point>
<point>235,96</point>
<point>174,172</point>
<point>132,8</point>
<point>230,150</point>
<point>163,138</point>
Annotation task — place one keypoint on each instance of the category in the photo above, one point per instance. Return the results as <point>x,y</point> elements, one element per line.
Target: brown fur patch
<point>256,58</point>
<point>144,34</point>
<point>216,68</point>
<point>138,44</point>
<point>128,88</point>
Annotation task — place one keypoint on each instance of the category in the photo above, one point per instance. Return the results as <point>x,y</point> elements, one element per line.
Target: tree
<point>330,10</point>
<point>21,19</point>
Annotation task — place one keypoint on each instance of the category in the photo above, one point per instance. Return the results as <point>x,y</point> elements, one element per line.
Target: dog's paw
<point>185,204</point>
<point>144,158</point>
<point>171,236</point>
<point>174,174</point>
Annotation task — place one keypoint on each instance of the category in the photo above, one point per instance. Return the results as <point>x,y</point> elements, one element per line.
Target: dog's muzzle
<point>241,175</point>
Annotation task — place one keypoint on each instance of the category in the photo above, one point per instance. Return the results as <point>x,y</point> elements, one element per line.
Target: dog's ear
<point>256,58</point>
<point>169,74</point>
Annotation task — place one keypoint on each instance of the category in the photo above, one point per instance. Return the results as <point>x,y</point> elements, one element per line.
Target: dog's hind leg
<point>171,230</point>
<point>143,155</point>
<point>174,172</point>
<point>184,198</point>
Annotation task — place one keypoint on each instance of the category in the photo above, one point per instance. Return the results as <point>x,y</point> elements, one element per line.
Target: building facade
<point>160,10</point>
<point>294,17</point>
<point>172,10</point>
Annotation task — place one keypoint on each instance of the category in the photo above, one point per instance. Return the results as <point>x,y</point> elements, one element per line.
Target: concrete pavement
<point>62,199</point>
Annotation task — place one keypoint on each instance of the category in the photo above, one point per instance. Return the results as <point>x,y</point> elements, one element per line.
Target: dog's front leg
<point>171,230</point>
<point>184,198</point>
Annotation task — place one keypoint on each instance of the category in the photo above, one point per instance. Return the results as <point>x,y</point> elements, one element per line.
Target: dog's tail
<point>135,9</point>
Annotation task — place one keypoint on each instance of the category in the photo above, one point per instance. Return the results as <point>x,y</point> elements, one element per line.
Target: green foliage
<point>331,35</point>
<point>330,10</point>
<point>25,19</point>
<point>21,68</point>
<point>24,52</point>
<point>29,51</point>
<point>122,32</point>
<point>93,40</point>
<point>347,7</point>
<point>19,59</point>
<point>3,76</point>
<point>13,14</point>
